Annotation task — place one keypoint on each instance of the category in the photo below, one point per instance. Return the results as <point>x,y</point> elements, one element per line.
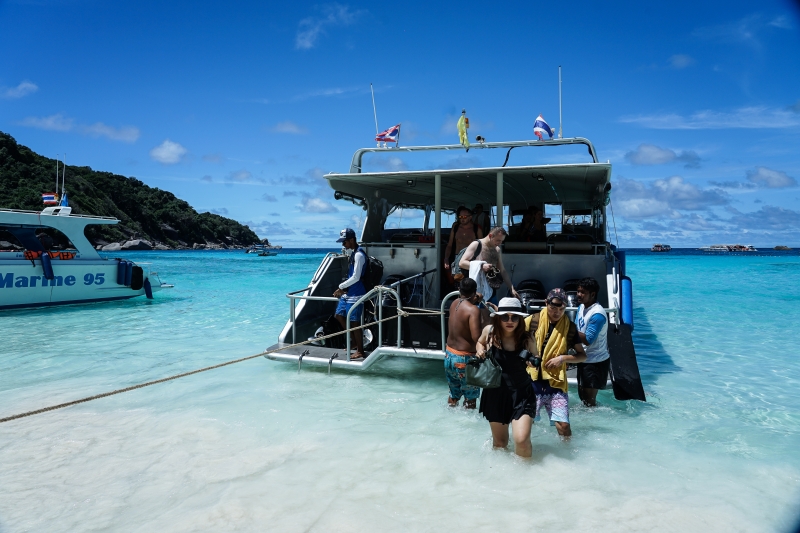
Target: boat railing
<point>444,302</point>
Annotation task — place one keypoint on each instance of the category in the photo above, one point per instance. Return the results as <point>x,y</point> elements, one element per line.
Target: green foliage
<point>147,212</point>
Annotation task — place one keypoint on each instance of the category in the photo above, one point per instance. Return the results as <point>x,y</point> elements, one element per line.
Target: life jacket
<point>598,350</point>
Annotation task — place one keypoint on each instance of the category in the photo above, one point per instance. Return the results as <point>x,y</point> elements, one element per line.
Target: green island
<point>145,213</point>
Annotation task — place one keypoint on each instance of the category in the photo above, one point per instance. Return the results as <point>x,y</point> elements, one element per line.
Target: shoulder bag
<point>485,373</point>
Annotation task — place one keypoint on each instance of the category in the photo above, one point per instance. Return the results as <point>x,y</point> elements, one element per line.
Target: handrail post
<point>294,331</point>
<point>441,310</point>
<point>380,317</point>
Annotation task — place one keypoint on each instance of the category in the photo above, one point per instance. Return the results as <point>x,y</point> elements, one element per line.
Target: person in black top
<point>514,402</point>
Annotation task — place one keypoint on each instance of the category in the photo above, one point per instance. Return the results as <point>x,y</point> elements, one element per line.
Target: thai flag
<point>49,198</point>
<point>388,136</point>
<point>540,126</point>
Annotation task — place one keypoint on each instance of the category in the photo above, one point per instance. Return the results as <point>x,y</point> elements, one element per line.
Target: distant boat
<point>266,253</point>
<point>661,248</point>
<point>258,248</point>
<point>728,248</point>
<point>783,248</point>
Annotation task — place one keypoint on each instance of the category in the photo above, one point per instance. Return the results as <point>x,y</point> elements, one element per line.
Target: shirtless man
<point>493,257</point>
<point>464,331</point>
<point>463,233</point>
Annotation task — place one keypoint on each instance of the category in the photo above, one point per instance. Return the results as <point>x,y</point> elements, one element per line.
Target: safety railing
<point>379,290</point>
<point>444,301</point>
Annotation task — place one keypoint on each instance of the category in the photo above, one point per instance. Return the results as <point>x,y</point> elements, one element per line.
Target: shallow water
<point>258,445</point>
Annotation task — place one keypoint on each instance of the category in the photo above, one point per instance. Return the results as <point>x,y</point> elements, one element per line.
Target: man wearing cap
<point>486,253</point>
<point>593,330</point>
<point>555,335</point>
<point>351,289</point>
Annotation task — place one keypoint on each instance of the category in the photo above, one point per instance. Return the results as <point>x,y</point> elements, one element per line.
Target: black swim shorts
<point>593,375</point>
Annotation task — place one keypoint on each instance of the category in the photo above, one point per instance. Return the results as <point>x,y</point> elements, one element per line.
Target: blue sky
<point>241,108</point>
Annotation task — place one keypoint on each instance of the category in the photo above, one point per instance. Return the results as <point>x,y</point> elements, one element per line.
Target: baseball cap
<point>345,234</point>
<point>557,293</point>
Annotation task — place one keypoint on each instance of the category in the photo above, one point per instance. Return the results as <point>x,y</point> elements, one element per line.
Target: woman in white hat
<point>514,402</point>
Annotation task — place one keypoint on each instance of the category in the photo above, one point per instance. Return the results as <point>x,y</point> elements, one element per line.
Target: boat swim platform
<point>337,357</point>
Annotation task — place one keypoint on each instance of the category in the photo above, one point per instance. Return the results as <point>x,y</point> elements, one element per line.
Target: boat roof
<point>575,186</point>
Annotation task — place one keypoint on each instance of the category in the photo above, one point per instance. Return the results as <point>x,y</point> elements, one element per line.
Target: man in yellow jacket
<point>555,334</point>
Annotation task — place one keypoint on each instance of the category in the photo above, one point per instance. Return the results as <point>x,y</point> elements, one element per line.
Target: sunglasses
<point>512,318</point>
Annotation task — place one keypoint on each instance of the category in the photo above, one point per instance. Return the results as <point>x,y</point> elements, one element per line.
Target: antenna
<point>64,173</point>
<point>56,174</point>
<point>560,131</point>
<point>374,111</point>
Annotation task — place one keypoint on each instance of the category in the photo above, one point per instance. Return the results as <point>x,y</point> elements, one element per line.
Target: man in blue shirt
<point>593,331</point>
<point>351,289</point>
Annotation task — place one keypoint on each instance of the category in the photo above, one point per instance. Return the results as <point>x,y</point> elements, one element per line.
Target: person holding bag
<point>513,401</point>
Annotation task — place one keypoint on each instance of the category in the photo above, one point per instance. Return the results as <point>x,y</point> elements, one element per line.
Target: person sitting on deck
<point>486,252</point>
<point>464,330</point>
<point>555,336</point>
<point>593,330</point>
<point>351,289</point>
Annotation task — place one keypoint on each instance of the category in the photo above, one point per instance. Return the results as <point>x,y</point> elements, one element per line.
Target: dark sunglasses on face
<point>512,318</point>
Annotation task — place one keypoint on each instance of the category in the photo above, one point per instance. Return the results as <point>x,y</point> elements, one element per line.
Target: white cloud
<point>649,154</point>
<point>59,122</point>
<point>289,127</point>
<point>310,29</point>
<point>127,134</point>
<point>680,61</point>
<point>663,197</point>
<point>781,22</point>
<point>317,205</point>
<point>222,211</point>
<point>168,152</point>
<point>756,117</point>
<point>23,89</point>
<point>239,176</point>
<point>771,179</point>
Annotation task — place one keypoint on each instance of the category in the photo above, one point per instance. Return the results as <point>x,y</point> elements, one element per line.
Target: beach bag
<point>373,271</point>
<point>458,274</point>
<point>330,326</point>
<point>484,373</point>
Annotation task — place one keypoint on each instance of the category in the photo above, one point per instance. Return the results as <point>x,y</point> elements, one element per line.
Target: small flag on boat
<point>64,201</point>
<point>463,125</point>
<point>49,198</point>
<point>389,136</point>
<point>540,126</point>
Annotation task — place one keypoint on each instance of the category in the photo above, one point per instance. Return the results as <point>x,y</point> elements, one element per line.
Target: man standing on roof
<point>593,331</point>
<point>488,263</point>
<point>351,289</point>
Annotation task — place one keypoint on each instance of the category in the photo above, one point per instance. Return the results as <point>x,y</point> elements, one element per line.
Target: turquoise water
<point>258,446</point>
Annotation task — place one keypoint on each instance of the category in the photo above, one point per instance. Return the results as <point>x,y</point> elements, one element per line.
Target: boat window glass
<point>503,220</point>
<point>554,213</point>
<point>406,218</point>
<point>9,242</point>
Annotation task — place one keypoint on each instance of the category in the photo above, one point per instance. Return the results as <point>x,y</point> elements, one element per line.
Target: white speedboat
<point>46,259</point>
<point>574,197</point>
<point>729,248</point>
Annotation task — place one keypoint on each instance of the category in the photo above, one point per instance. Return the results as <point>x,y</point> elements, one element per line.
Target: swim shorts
<point>344,306</point>
<point>593,375</point>
<point>454,369</point>
<point>556,403</point>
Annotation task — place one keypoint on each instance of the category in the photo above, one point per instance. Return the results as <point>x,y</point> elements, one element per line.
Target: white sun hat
<point>510,306</point>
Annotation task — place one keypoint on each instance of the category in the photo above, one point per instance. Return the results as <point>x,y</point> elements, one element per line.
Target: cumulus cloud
<point>679,61</point>
<point>313,204</point>
<point>59,122</point>
<point>649,154</point>
<point>310,29</point>
<point>771,179</point>
<point>754,117</point>
<point>23,89</point>
<point>664,197</point>
<point>769,217</point>
<point>313,232</point>
<point>168,152</point>
<point>387,163</point>
<point>289,127</point>
<point>268,198</point>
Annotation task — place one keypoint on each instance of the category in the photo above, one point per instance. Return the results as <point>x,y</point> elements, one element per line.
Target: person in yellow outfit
<point>555,334</point>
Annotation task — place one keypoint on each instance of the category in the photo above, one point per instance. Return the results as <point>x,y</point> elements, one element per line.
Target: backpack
<point>330,326</point>
<point>458,275</point>
<point>373,271</point>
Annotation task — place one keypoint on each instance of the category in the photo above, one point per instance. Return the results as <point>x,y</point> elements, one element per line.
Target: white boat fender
<point>47,266</point>
<point>148,289</point>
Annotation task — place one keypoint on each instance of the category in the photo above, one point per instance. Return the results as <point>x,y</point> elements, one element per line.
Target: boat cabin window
<point>554,212</point>
<point>9,242</point>
<point>34,239</point>
<point>404,224</point>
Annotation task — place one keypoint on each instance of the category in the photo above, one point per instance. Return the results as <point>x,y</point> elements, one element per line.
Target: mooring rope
<point>400,312</point>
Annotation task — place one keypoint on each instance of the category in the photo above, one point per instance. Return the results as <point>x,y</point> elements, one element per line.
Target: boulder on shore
<point>198,246</point>
<point>160,246</point>
<point>137,244</point>
<point>113,247</point>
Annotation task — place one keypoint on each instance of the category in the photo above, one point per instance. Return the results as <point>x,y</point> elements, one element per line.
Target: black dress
<point>514,397</point>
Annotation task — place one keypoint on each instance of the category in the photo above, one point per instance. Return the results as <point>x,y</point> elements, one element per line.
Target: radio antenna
<point>374,112</point>
<point>560,131</point>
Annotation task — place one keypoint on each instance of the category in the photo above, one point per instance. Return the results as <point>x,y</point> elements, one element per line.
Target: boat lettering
<point>9,280</point>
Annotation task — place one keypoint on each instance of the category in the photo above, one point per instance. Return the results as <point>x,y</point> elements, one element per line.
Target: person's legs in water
<point>499,435</point>
<point>521,430</point>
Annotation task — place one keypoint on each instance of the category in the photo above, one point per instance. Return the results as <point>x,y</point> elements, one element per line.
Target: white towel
<point>476,272</point>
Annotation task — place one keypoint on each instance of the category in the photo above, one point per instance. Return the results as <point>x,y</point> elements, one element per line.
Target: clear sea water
<point>258,446</point>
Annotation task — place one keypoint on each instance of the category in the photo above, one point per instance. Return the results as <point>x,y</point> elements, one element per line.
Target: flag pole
<point>560,131</point>
<point>56,174</point>
<point>374,112</point>
<point>64,174</point>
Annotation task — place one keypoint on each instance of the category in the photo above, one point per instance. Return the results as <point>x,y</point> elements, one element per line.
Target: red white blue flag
<point>540,126</point>
<point>49,198</point>
<point>389,136</point>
